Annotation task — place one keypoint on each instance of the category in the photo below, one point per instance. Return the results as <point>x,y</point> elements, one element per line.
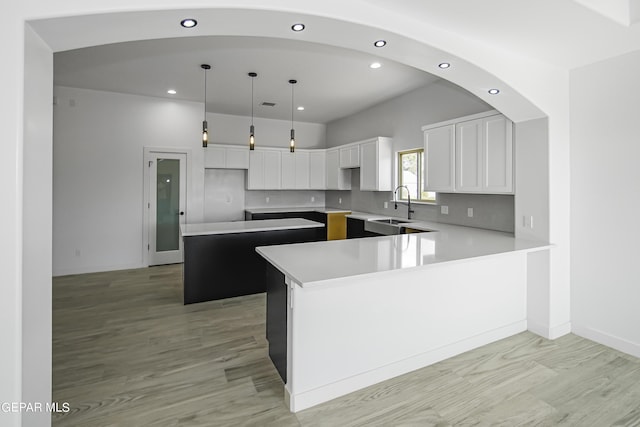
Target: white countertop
<point>246,226</point>
<point>311,264</point>
<point>321,209</point>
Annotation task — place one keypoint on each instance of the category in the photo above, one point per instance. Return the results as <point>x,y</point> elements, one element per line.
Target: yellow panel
<point>337,226</point>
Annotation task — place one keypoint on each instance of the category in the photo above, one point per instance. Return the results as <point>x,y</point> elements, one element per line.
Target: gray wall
<point>402,119</point>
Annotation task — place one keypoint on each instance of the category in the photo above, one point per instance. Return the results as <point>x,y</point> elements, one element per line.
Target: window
<point>410,170</point>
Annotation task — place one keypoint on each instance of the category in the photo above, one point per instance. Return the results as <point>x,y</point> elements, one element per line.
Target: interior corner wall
<point>605,202</point>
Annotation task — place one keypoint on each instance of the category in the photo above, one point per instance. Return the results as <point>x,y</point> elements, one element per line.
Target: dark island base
<point>221,266</point>
<point>277,319</point>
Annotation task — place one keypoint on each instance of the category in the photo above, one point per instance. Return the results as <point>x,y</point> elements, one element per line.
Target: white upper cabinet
<point>350,156</point>
<point>295,170</point>
<point>264,170</point>
<point>439,151</point>
<point>376,165</point>
<point>484,155</point>
<point>337,178</point>
<point>226,157</point>
<point>470,155</point>
<point>318,170</point>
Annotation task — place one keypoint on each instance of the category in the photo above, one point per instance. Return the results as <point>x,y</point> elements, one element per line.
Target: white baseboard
<point>607,339</point>
<point>327,392</point>
<point>95,269</point>
<point>548,332</point>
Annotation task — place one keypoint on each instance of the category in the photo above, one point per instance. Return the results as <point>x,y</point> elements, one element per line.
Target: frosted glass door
<point>167,207</point>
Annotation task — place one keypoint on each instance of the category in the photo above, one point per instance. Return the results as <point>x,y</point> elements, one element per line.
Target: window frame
<point>420,170</point>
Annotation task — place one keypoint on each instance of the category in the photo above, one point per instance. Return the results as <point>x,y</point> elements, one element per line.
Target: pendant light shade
<point>205,126</point>
<point>252,129</point>
<point>292,141</point>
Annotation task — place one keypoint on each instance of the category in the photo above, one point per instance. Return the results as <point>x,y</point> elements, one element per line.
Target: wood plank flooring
<point>126,352</point>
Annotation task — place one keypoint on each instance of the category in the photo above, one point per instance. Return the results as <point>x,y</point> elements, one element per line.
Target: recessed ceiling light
<point>494,91</point>
<point>301,108</point>
<point>172,92</point>
<point>297,27</point>
<point>189,23</point>
<point>375,65</point>
<point>380,43</point>
<point>444,65</point>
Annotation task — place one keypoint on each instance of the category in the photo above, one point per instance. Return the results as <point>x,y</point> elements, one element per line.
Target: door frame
<point>148,152</point>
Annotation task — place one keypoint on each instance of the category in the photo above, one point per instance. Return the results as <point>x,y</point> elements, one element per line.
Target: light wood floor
<point>126,352</point>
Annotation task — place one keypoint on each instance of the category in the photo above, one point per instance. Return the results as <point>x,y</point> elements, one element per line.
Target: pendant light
<point>205,126</point>
<point>292,142</point>
<point>252,136</point>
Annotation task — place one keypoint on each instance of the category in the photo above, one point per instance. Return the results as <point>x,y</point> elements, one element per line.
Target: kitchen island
<point>361,311</point>
<point>220,259</point>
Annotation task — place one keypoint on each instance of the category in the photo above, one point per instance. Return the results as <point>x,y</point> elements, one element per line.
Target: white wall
<point>605,202</point>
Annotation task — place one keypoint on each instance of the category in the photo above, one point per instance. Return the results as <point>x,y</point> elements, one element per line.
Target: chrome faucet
<point>395,200</point>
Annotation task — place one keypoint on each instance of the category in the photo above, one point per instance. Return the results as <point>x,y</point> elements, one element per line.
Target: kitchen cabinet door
<point>272,170</point>
<point>301,160</point>
<point>498,155</point>
<point>337,178</point>
<point>255,174</point>
<point>350,156</point>
<point>439,151</point>
<point>376,165</point>
<point>215,157</point>
<point>469,156</point>
<point>288,174</point>
<point>318,170</point>
<point>237,158</point>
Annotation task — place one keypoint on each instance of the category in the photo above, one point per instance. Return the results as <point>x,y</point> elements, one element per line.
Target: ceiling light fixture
<point>252,136</point>
<point>444,65</point>
<point>300,108</point>
<point>205,126</point>
<point>494,91</point>
<point>189,23</point>
<point>297,27</point>
<point>380,43</point>
<point>375,65</point>
<point>292,142</point>
<point>172,92</point>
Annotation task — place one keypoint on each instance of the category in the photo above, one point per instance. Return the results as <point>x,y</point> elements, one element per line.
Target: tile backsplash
<point>490,211</point>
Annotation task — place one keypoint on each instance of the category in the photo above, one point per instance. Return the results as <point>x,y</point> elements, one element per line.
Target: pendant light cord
<point>292,106</point>
<point>205,94</point>
<point>252,100</point>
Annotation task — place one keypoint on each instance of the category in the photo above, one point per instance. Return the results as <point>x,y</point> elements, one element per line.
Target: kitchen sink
<point>386,226</point>
<point>390,221</point>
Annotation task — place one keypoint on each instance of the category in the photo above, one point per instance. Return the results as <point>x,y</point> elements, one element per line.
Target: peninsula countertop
<point>232,227</point>
<point>311,264</point>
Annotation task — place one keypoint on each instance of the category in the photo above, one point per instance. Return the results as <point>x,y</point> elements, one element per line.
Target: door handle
<point>181,213</point>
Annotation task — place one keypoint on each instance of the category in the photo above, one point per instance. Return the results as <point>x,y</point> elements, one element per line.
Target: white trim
<point>607,339</point>
<point>461,119</point>
<point>94,269</point>
<point>331,391</point>
<point>550,333</point>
